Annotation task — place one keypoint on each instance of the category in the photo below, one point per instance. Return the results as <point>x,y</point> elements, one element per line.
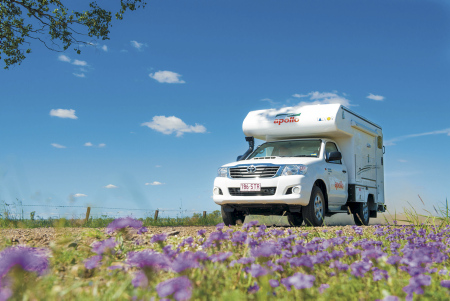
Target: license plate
<point>250,186</point>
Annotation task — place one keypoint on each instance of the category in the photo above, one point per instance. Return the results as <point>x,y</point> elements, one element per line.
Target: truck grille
<point>260,172</point>
<point>264,191</point>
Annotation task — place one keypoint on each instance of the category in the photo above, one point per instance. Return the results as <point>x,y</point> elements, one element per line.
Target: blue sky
<point>73,124</point>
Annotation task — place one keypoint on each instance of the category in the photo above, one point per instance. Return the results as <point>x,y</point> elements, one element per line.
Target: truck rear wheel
<point>314,212</point>
<point>361,214</point>
<point>295,219</point>
<point>230,218</point>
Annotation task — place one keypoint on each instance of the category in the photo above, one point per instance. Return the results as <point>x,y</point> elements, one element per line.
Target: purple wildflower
<point>339,265</point>
<point>180,288</point>
<point>276,232</point>
<point>390,298</point>
<point>253,288</point>
<point>5,293</point>
<point>158,237</point>
<point>304,260</point>
<point>248,225</point>
<point>274,283</point>
<point>239,237</point>
<point>218,257</point>
<point>351,251</point>
<point>167,250</point>
<point>139,280</point>
<point>323,287</point>
<point>101,247</point>
<point>220,226</point>
<point>93,262</point>
<point>415,285</point>
<point>246,260</point>
<point>184,261</point>
<point>29,259</point>
<point>443,272</point>
<point>299,281</point>
<point>379,274</point>
<point>360,268</point>
<point>257,271</point>
<point>394,259</point>
<point>338,232</point>
<point>200,256</point>
<point>142,230</point>
<point>148,259</point>
<point>121,223</point>
<point>445,283</point>
<point>266,249</point>
<point>201,232</point>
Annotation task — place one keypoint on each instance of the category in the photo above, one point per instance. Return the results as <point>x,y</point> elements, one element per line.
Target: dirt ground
<point>43,237</point>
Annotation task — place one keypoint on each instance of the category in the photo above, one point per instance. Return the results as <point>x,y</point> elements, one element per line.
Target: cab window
<point>331,147</point>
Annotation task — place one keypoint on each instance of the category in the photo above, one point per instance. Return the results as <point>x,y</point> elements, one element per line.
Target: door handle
<point>344,171</point>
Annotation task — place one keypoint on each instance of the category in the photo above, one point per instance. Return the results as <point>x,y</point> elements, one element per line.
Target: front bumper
<point>282,184</point>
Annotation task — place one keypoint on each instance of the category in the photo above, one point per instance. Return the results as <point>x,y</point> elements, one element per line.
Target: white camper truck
<point>318,160</point>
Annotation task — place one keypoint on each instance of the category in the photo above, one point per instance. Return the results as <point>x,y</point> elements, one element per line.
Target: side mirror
<point>334,156</point>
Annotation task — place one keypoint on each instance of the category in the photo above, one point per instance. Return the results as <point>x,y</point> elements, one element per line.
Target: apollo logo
<point>286,118</point>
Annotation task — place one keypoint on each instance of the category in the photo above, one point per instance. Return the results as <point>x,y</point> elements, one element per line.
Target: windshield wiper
<point>302,156</point>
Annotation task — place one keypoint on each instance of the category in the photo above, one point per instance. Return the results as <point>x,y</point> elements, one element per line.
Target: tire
<point>361,214</point>
<point>295,219</point>
<point>314,212</point>
<point>230,218</point>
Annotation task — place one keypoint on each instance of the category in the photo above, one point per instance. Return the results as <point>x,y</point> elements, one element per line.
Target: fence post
<point>88,212</point>
<point>204,214</point>
<point>156,215</point>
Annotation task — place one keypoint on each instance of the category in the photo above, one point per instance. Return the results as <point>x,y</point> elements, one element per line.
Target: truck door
<point>337,178</point>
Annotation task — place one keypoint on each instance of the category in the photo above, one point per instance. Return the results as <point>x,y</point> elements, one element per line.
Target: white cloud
<point>88,144</point>
<point>137,45</point>
<point>105,48</point>
<point>392,141</point>
<point>77,195</point>
<point>375,97</point>
<point>58,145</point>
<point>157,166</point>
<point>109,186</point>
<point>402,160</point>
<point>299,95</point>
<point>155,183</point>
<point>269,101</point>
<point>171,124</point>
<point>101,145</point>
<point>79,63</point>
<point>64,58</point>
<point>63,113</point>
<point>79,75</point>
<point>317,97</point>
<point>167,77</point>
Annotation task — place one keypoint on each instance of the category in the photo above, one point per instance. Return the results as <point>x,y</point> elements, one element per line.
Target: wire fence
<point>18,210</point>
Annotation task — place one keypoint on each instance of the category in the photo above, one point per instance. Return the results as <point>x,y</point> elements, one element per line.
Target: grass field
<point>192,259</point>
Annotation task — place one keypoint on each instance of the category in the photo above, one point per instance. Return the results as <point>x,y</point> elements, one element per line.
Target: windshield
<point>294,148</point>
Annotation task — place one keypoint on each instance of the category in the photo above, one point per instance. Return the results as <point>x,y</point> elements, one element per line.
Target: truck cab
<point>301,171</point>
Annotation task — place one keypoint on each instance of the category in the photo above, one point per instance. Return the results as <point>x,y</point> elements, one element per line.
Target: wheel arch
<point>321,184</point>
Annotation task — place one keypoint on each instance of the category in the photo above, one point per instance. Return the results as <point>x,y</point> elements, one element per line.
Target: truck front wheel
<point>230,218</point>
<point>314,212</point>
<point>361,214</point>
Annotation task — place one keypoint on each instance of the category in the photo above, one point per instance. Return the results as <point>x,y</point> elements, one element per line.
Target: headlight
<point>222,172</point>
<point>297,169</point>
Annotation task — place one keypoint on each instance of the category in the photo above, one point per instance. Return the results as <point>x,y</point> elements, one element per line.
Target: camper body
<point>317,161</point>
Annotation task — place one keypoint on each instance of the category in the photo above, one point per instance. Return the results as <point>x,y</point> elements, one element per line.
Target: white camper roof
<point>322,121</point>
